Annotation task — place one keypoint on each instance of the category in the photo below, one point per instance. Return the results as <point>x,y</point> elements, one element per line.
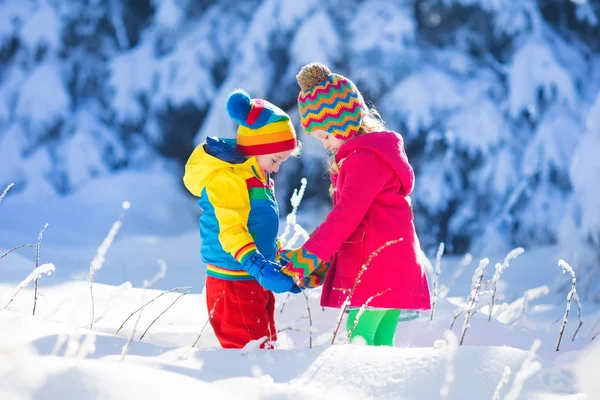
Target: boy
<point>240,219</point>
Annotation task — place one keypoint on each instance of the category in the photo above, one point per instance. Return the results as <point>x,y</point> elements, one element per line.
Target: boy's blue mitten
<point>267,273</point>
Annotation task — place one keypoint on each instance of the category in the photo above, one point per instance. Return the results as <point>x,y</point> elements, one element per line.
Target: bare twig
<point>438,261</point>
<point>292,326</point>
<point>16,248</point>
<point>567,268</point>
<point>456,315</point>
<point>5,191</point>
<point>37,263</point>
<point>210,316</point>
<point>160,315</point>
<point>356,282</point>
<point>160,275</point>
<point>285,302</point>
<point>145,304</point>
<point>98,259</point>
<point>310,324</point>
<point>579,315</point>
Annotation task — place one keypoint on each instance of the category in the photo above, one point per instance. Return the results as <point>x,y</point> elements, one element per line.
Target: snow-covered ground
<point>55,354</point>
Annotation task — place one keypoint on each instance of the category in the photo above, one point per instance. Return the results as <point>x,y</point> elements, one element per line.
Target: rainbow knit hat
<point>329,102</point>
<point>264,128</point>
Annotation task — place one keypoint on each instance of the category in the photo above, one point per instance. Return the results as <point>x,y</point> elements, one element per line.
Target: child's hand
<point>267,273</point>
<point>303,266</point>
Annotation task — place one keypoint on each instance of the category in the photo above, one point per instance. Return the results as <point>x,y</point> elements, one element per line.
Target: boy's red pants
<point>243,311</point>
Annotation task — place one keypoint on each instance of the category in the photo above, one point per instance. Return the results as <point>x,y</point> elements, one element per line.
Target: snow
<point>12,15</point>
<point>168,15</point>
<point>478,128</point>
<point>43,98</point>
<point>42,28</point>
<point>533,69</point>
<point>181,78</point>
<point>164,358</point>
<point>131,76</point>
<point>421,97</point>
<point>44,356</point>
<point>304,48</point>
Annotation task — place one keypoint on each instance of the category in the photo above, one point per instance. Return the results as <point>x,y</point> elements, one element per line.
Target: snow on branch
<point>290,220</point>
<point>5,191</point>
<point>500,268</point>
<point>99,258</point>
<point>36,274</point>
<point>567,268</point>
<point>438,260</point>
<point>474,296</point>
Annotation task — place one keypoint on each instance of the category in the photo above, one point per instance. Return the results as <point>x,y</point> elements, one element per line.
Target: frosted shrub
<point>500,268</point>
<point>37,263</point>
<point>449,377</point>
<point>39,271</point>
<point>5,191</point>
<point>290,220</point>
<point>98,259</point>
<point>438,260</point>
<point>567,268</point>
<point>529,367</point>
<point>502,383</point>
<point>474,295</point>
<point>147,284</point>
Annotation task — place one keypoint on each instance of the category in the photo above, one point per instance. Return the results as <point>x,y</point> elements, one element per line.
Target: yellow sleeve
<point>194,172</point>
<point>228,194</point>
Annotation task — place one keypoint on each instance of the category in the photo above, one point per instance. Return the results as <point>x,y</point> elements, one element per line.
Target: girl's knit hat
<point>264,128</point>
<point>329,102</point>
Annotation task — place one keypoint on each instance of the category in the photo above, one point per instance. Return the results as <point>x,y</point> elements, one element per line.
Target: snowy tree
<point>492,97</point>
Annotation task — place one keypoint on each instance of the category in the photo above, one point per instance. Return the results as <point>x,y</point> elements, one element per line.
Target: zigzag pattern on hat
<point>333,106</point>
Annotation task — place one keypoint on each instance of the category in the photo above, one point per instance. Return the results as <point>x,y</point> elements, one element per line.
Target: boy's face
<point>270,163</point>
<point>328,141</point>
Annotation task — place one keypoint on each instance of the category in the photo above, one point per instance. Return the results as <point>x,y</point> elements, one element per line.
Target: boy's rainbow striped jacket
<point>239,211</point>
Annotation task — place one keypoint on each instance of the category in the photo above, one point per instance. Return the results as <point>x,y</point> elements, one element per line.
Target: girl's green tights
<point>375,327</point>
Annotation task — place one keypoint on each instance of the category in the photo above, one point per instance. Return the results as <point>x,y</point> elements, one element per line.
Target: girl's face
<point>330,142</point>
<point>270,163</point>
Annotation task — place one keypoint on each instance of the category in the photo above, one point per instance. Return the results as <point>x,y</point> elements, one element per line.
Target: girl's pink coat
<point>372,207</point>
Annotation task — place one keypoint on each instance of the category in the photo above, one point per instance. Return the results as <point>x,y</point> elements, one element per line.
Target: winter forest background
<point>498,101</point>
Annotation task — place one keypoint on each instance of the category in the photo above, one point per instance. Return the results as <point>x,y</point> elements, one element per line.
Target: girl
<point>240,219</point>
<point>371,181</point>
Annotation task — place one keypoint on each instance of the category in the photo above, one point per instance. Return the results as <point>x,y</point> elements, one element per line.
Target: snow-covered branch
<point>36,274</point>
<point>500,268</point>
<point>567,268</point>
<point>438,261</point>
<point>474,296</point>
